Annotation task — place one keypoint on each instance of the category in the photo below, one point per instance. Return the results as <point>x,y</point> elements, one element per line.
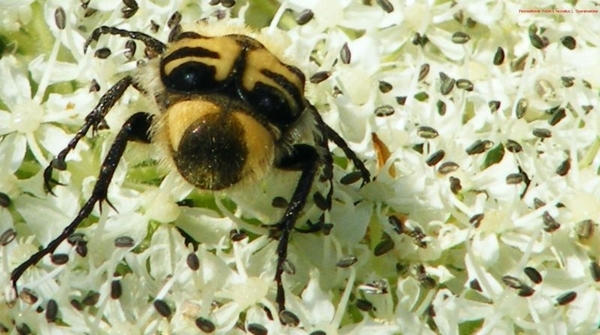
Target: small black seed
<point>346,262</point>
<point>4,200</point>
<point>130,48</point>
<point>102,53</point>
<point>447,85</point>
<point>345,54</point>
<point>595,271</point>
<point>364,305</point>
<point>512,282</point>
<point>176,31</point>
<point>237,235</point>
<point>128,12</point>
<point>499,56</point>
<point>60,18</point>
<point>459,16</point>
<point>526,291</point>
<point>533,275</point>
<point>124,242</point>
<point>304,17</point>
<point>59,259</point>
<point>23,329</point>
<point>131,3</point>
<point>569,42</point>
<point>455,185</point>
<point>27,295</point>
<point>384,86</point>
<point>76,238</point>
<point>257,329</point>
<point>91,298</point>
<point>94,86</point>
<point>288,318</point>
<point>116,289</point>
<point>566,298</point>
<point>318,332</point>
<point>81,249</point>
<point>519,63</point>
<point>289,267</point>
<point>320,201</point>
<point>427,132</point>
<point>7,236</point>
<point>386,5</point>
<point>447,167</point>
<point>401,100</point>
<point>474,284</point>
<point>567,81</point>
<point>51,310</point>
<point>383,111</point>
<point>476,219</point>
<point>76,304</point>
<point>228,3</point>
<point>320,76</point>
<point>557,116</point>
<point>585,229</point>
<point>521,108</point>
<point>549,222</point>
<point>424,71</point>
<point>383,247</point>
<point>419,39</point>
<point>537,41</point>
<point>441,107</point>
<point>89,12</point>
<point>205,325</point>
<point>174,20</point>
<point>460,37</point>
<point>513,146</point>
<point>435,157</point>
<point>351,178</point>
<point>514,179</point>
<point>537,203</point>
<point>279,202</point>
<point>193,262</point>
<point>477,147</point>
<point>494,105</point>
<point>465,84</point>
<point>542,133</point>
<point>564,167</point>
<point>162,308</point>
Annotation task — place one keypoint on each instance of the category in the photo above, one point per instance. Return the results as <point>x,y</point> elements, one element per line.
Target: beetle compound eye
<point>191,77</point>
<point>270,102</point>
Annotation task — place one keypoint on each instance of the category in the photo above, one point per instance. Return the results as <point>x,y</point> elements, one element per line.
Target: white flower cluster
<point>478,120</point>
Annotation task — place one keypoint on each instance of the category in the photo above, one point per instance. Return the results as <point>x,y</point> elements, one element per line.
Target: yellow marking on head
<point>263,59</point>
<point>226,47</point>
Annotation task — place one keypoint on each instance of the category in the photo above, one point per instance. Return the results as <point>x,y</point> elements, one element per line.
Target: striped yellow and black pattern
<point>227,102</point>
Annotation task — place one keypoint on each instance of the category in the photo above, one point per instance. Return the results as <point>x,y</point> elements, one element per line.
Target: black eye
<point>191,77</point>
<point>271,103</point>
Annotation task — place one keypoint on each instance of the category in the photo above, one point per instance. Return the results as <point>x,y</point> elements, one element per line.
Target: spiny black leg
<point>150,42</point>
<point>136,128</point>
<point>92,120</point>
<point>322,143</point>
<point>333,136</point>
<point>307,157</point>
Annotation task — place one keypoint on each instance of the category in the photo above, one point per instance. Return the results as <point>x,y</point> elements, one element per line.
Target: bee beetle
<point>229,109</point>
